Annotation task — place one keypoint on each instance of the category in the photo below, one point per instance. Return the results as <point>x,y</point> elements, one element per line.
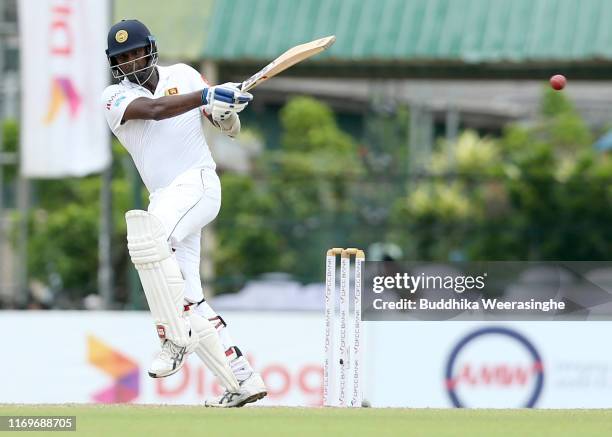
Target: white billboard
<point>57,357</point>
<point>103,357</point>
<point>63,73</point>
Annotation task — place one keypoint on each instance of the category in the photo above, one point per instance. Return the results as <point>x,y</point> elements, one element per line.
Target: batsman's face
<point>132,60</point>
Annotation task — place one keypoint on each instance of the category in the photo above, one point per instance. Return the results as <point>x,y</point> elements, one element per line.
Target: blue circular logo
<point>536,367</point>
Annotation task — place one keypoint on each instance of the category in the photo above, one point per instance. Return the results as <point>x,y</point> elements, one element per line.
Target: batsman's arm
<point>144,108</point>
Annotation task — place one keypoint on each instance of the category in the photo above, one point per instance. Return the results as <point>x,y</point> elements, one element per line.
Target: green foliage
<point>247,243</point>
<point>560,124</point>
<point>276,220</point>
<point>554,103</point>
<point>63,230</point>
<point>62,248</point>
<point>470,155</point>
<point>385,148</point>
<point>10,141</point>
<point>306,125</point>
<point>538,192</point>
<point>311,182</point>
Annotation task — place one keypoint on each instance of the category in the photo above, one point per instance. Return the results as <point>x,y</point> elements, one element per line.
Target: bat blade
<point>289,58</point>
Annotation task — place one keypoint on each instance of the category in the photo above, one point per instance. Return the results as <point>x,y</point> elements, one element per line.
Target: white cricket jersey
<point>162,149</point>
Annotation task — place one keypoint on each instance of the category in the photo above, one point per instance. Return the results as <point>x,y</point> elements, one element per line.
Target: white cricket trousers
<point>185,206</point>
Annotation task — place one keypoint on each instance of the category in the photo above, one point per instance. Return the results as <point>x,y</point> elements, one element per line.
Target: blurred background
<point>427,132</point>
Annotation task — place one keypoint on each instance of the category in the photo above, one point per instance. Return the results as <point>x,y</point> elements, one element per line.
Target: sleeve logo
<point>110,101</point>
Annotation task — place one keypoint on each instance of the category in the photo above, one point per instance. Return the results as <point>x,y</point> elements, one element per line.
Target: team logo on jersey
<point>121,36</point>
<point>118,101</point>
<point>109,102</point>
<point>171,91</point>
<point>161,331</point>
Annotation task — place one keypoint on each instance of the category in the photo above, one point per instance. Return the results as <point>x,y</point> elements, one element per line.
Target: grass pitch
<point>187,421</point>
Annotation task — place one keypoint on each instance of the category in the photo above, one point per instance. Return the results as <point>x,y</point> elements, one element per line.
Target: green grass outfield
<point>187,421</point>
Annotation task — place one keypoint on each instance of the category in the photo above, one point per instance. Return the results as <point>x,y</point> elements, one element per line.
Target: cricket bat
<point>289,58</point>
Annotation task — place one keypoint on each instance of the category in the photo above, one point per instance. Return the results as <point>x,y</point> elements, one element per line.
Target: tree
<point>282,217</point>
<point>311,178</point>
<point>539,192</point>
<point>247,242</point>
<point>63,231</point>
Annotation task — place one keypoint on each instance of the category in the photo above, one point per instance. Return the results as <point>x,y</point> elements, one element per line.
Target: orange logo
<point>123,371</point>
<point>63,93</point>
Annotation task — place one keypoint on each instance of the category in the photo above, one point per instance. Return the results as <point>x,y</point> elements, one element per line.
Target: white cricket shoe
<point>169,361</point>
<point>252,389</point>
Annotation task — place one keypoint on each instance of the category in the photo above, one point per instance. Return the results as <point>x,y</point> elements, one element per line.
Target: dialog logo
<point>494,367</point>
<point>123,372</point>
<point>63,93</point>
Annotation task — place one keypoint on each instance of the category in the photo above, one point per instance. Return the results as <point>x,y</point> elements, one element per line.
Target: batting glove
<point>221,101</point>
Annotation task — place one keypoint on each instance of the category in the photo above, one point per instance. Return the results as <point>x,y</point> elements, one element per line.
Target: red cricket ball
<point>558,82</point>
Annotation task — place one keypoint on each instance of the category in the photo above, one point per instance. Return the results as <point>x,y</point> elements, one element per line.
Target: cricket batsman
<point>157,113</point>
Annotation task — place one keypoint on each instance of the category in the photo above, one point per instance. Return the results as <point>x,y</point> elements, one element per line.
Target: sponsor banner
<point>64,71</point>
<point>102,357</point>
<point>489,365</point>
<point>491,290</point>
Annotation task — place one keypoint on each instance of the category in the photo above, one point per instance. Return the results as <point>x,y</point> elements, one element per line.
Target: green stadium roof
<point>414,31</point>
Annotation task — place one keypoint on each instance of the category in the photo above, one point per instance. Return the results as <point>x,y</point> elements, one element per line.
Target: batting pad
<point>211,352</point>
<point>160,275</point>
